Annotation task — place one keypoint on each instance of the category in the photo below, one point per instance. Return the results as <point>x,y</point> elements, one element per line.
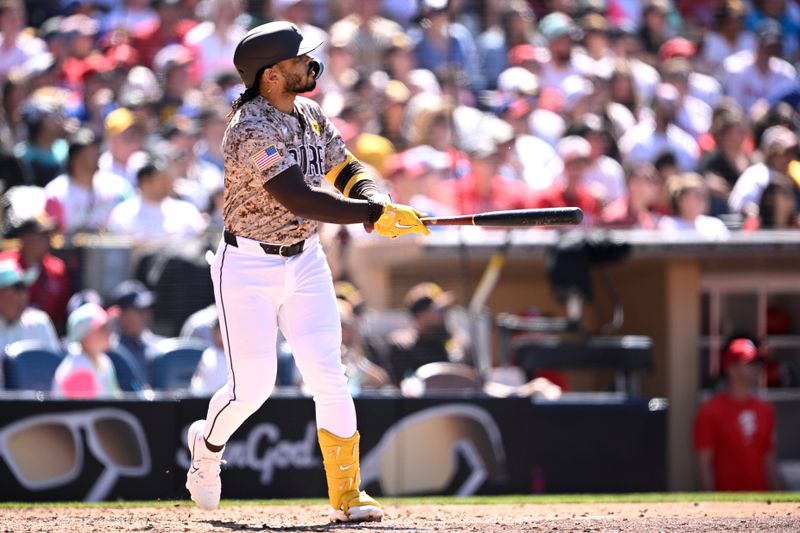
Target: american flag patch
<point>266,157</point>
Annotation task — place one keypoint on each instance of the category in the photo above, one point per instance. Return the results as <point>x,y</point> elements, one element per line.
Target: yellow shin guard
<point>340,457</point>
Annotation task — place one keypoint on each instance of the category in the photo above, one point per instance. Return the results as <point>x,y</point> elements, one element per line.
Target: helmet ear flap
<point>317,66</point>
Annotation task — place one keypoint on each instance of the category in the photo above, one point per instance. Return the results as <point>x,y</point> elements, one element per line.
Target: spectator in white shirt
<point>694,115</point>
<point>18,321</point>
<point>779,148</point>
<point>87,372</point>
<point>689,198</point>
<point>753,76</point>
<point>16,46</point>
<point>124,136</point>
<point>728,36</point>
<point>558,30</point>
<point>211,373</point>
<point>603,176</point>
<point>652,138</point>
<point>215,39</point>
<point>82,199</point>
<point>153,217</point>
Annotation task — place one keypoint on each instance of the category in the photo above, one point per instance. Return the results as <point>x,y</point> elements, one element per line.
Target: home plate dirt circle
<point>550,518</point>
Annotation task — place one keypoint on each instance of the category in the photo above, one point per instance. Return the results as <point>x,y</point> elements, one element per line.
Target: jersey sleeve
<point>256,149</point>
<point>335,149</point>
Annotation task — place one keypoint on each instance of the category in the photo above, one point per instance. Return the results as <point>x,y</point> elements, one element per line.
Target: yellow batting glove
<point>398,219</point>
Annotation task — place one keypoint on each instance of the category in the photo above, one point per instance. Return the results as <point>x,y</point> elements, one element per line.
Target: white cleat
<point>362,513</point>
<point>202,479</point>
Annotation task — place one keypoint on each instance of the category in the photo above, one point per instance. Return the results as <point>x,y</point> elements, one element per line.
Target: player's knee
<point>253,395</point>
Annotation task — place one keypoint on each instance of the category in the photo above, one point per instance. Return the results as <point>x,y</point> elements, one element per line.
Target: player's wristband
<point>374,210</point>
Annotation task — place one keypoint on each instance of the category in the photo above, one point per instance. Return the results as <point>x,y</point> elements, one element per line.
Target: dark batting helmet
<point>265,45</point>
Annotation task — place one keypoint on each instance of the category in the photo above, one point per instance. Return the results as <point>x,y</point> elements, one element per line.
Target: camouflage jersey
<point>260,142</point>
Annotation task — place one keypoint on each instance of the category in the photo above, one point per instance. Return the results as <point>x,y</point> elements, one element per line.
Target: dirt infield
<point>598,517</point>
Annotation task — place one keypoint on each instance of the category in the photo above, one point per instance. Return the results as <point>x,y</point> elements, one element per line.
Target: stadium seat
<point>127,373</point>
<point>443,376</point>
<point>173,369</point>
<point>29,365</point>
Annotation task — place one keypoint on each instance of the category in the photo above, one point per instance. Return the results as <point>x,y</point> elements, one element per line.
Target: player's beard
<point>296,83</point>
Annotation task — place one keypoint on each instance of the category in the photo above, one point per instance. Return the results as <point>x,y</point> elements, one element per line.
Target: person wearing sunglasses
<point>87,372</point>
<point>19,321</point>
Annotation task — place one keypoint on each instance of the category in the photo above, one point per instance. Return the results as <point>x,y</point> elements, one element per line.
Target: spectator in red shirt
<point>571,191</point>
<point>51,289</point>
<point>637,208</point>
<point>734,431</point>
<point>169,28</point>
<point>483,188</point>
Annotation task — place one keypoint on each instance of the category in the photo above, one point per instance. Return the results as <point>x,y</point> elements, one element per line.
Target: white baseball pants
<point>255,294</point>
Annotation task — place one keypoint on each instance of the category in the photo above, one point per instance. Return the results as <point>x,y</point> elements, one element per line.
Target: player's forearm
<point>326,206</point>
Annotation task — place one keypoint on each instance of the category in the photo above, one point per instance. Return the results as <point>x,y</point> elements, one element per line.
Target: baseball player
<point>270,271</point>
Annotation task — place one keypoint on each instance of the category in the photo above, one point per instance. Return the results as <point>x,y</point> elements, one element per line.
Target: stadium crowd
<point>667,115</point>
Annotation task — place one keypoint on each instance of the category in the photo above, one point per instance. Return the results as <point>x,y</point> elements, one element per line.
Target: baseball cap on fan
<point>270,43</point>
<point>739,350</point>
<point>427,295</point>
<point>132,294</point>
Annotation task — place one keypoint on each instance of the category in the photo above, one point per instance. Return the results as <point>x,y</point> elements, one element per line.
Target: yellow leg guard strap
<point>342,470</point>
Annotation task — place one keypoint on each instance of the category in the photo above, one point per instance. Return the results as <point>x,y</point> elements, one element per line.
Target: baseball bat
<point>557,216</point>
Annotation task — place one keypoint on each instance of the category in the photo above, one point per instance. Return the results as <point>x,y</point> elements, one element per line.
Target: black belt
<point>284,250</point>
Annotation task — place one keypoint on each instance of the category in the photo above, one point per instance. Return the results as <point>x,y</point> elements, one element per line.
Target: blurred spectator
<point>734,432</point>
<point>413,174</point>
<point>361,372</point>
<point>624,109</point>
<point>212,125</point>
<point>299,12</point>
<point>604,175</point>
<point>87,372</point>
<point>81,297</point>
<point>513,26</point>
<point>693,115</point>
<point>650,138</point>
<point>689,202</point>
<point>654,29</point>
<point>16,45</point>
<point>12,128</point>
<point>483,188</point>
<point>559,31</point>
<point>81,200</point>
<point>51,288</point>
<point>19,321</point>
<point>595,58</point>
<point>124,136</point>
<point>366,34</point>
<point>44,150</point>
<point>777,208</point>
<point>168,28</point>
<point>212,369</point>
<point>128,15</point>
<point>214,40</point>
<point>200,324</point>
<point>429,340</point>
<point>728,35</point>
<point>751,76</point>
<point>131,308</point>
<point>173,65</point>
<point>728,160</point>
<point>779,148</point>
<point>787,13</point>
<point>636,209</point>
<point>443,44</point>
<point>152,216</point>
<point>571,189</point>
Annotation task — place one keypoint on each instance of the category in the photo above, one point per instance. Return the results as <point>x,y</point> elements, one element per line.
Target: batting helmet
<point>265,45</point>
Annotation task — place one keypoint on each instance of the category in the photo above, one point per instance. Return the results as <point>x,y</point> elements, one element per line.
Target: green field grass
<point>472,500</point>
